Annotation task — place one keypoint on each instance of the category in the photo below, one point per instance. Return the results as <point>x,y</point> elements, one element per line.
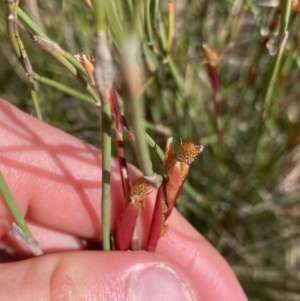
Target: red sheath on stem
<point>120,147</point>
<point>135,203</point>
<point>125,227</point>
<point>157,219</point>
<point>176,169</point>
<point>214,78</point>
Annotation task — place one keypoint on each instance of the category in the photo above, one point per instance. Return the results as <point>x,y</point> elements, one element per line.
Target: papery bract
<point>135,203</point>
<point>176,169</point>
<point>88,64</point>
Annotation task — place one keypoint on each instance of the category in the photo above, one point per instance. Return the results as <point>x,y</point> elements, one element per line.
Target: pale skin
<point>56,181</point>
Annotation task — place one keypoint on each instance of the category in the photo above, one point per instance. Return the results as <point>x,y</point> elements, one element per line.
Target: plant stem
<point>148,22</point>
<point>155,146</point>
<point>104,79</point>
<point>24,17</point>
<point>65,58</point>
<point>171,18</point>
<point>34,97</point>
<point>269,107</point>
<point>106,165</point>
<point>53,49</point>
<point>10,26</point>
<point>54,84</point>
<point>33,27</point>
<point>134,113</point>
<point>282,37</point>
<point>13,32</point>
<point>99,15</point>
<point>142,150</point>
<point>13,208</point>
<point>119,142</point>
<point>285,15</point>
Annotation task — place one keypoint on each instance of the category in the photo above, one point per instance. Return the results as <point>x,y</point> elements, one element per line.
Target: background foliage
<point>243,192</point>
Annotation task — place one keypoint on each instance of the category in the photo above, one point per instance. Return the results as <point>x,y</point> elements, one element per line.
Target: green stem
<point>114,15</point>
<point>34,98</point>
<point>53,49</point>
<point>268,95</point>
<point>34,28</point>
<point>142,150</point>
<point>104,80</point>
<point>130,8</point>
<point>44,80</point>
<point>24,17</point>
<point>106,165</point>
<point>155,146</point>
<point>171,18</point>
<point>54,84</point>
<point>148,22</point>
<point>285,15</point>
<point>282,37</point>
<point>268,98</point>
<point>12,26</point>
<point>155,9</point>
<point>175,73</point>
<point>13,208</point>
<point>99,14</point>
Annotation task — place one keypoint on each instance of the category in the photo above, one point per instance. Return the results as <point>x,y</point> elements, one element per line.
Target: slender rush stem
<point>10,27</point>
<point>34,28</point>
<point>19,229</point>
<point>54,49</point>
<point>148,22</point>
<point>285,15</point>
<point>104,79</point>
<point>54,84</point>
<point>134,113</point>
<point>119,142</point>
<point>13,32</point>
<point>269,108</point>
<point>65,58</point>
<point>106,165</point>
<point>34,97</point>
<point>13,208</point>
<point>24,17</point>
<point>282,37</point>
<point>171,18</point>
<point>142,150</point>
<point>99,15</point>
<point>155,146</point>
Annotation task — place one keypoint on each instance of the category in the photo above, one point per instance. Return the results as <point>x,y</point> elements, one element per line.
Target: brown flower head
<point>88,64</point>
<point>188,151</point>
<point>138,192</point>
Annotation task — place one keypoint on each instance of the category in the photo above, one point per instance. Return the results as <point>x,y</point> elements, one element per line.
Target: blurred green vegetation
<point>243,191</point>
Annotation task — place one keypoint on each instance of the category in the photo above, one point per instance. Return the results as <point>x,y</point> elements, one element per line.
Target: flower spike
<point>176,169</point>
<point>135,204</point>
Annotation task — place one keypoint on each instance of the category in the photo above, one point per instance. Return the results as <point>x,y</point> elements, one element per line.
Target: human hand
<point>55,179</point>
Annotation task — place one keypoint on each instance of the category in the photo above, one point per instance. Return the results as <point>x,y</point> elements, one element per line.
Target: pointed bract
<point>135,204</point>
<point>176,169</point>
<point>88,64</point>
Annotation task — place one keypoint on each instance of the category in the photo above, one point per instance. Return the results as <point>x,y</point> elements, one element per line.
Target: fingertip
<point>98,276</point>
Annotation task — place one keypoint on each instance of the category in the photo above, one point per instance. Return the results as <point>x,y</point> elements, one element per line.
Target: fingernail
<point>158,284</point>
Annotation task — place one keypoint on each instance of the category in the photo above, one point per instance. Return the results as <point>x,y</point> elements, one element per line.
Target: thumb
<point>88,275</point>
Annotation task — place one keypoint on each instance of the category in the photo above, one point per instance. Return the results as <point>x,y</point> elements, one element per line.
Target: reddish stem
<point>157,219</point>
<point>214,78</point>
<point>120,147</point>
<point>125,227</point>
